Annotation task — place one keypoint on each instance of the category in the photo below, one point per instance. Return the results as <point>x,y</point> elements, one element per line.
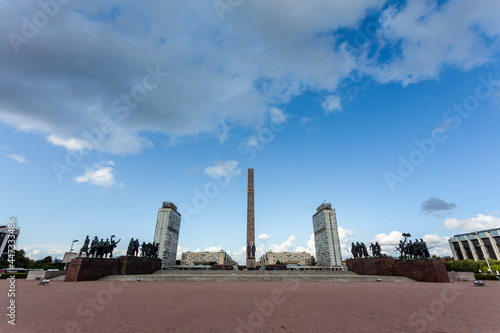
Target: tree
<point>313,261</point>
<point>20,260</point>
<point>47,260</point>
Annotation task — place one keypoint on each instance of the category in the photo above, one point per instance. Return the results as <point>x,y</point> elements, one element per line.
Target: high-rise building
<point>8,236</point>
<point>326,236</point>
<point>168,224</point>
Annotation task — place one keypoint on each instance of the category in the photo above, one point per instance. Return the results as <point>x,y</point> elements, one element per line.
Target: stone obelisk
<point>250,223</point>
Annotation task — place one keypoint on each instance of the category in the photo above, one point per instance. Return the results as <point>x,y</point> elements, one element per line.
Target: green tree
<point>20,260</point>
<point>313,261</point>
<point>47,260</point>
<point>4,263</point>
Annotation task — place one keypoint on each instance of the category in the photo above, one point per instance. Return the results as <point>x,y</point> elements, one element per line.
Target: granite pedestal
<point>419,270</point>
<point>90,269</point>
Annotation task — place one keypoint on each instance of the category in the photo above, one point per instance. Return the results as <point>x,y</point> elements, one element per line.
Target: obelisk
<point>250,223</point>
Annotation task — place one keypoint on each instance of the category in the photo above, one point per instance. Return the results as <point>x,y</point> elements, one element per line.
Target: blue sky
<point>388,110</point>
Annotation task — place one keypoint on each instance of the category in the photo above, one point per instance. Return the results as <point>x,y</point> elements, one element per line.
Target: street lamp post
<point>482,249</point>
<point>69,255</point>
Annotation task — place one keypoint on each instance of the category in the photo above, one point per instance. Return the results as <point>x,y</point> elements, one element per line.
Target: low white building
<point>206,258</point>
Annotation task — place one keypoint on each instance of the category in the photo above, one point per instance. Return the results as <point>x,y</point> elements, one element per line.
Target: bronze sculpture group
<point>408,250</point>
<point>359,250</point>
<point>98,248</point>
<point>413,250</point>
<point>104,249</point>
<point>149,250</point>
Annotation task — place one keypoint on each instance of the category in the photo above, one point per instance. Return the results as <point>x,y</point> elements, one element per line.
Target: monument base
<point>221,267</point>
<point>139,265</point>
<point>251,264</point>
<point>91,269</point>
<point>419,270</point>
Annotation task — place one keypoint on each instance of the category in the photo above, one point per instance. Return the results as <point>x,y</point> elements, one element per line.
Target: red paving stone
<point>110,306</point>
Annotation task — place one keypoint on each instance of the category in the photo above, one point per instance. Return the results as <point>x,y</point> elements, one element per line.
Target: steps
<point>254,276</point>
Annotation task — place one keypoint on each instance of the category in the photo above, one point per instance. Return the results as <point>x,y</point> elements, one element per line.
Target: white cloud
<point>480,222</point>
<point>240,255</point>
<point>226,169</point>
<point>213,249</point>
<point>40,251</point>
<point>101,174</point>
<point>427,37</point>
<point>20,158</point>
<point>219,75</point>
<point>311,246</point>
<point>388,242</point>
<point>277,115</point>
<point>222,133</point>
<point>252,141</point>
<point>264,237</point>
<point>286,246</point>
<point>437,245</point>
<point>304,120</point>
<point>331,104</point>
<point>180,249</point>
<point>70,144</point>
<point>345,241</point>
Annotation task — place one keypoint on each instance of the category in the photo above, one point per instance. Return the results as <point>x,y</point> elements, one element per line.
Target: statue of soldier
<point>149,250</point>
<point>93,247</point>
<point>249,251</point>
<point>373,248</point>
<point>253,250</point>
<point>112,246</point>
<point>353,250</point>
<point>418,249</point>
<point>379,249</point>
<point>359,252</point>
<point>411,249</point>
<point>105,248</point>
<point>100,248</point>
<point>85,247</point>
<point>365,250</point>
<point>136,247</point>
<point>130,248</point>
<point>402,249</point>
<point>143,249</point>
<point>425,249</point>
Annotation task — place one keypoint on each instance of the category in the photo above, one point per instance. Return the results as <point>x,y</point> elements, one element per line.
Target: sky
<point>388,110</point>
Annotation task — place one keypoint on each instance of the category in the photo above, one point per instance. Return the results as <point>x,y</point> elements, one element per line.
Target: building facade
<point>168,224</point>
<point>326,236</point>
<point>206,258</point>
<point>6,239</point>
<point>285,258</point>
<point>472,245</point>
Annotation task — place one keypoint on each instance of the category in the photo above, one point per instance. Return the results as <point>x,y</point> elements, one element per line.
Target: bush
<point>16,275</point>
<point>493,268</point>
<point>467,265</point>
<point>492,277</point>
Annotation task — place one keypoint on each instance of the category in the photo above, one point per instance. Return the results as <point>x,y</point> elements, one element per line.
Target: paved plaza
<point>117,306</point>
